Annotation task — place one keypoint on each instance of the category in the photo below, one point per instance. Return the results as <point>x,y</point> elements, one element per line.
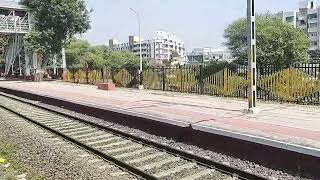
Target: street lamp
<point>140,70</point>
<point>252,63</point>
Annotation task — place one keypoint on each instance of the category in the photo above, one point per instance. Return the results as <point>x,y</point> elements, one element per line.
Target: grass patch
<point>8,151</point>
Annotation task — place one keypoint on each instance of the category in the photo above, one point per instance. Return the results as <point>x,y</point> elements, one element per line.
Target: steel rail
<point>240,174</point>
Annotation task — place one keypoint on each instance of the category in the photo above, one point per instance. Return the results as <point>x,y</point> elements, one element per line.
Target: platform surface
<point>290,126</point>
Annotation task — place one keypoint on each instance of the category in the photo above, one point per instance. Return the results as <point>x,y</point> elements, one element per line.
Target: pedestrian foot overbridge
<point>14,24</point>
<point>14,18</point>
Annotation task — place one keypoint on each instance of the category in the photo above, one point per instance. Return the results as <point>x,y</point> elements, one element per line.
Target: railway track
<point>142,157</point>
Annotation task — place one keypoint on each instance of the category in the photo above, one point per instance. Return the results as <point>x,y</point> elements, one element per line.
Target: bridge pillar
<point>64,62</point>
<point>35,61</point>
<point>27,71</point>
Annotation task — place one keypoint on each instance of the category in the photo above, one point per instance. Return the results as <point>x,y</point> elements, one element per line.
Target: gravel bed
<point>96,139</point>
<point>51,161</point>
<point>124,151</point>
<point>185,173</point>
<point>152,160</point>
<point>215,156</point>
<point>119,146</point>
<point>139,155</point>
<point>103,143</point>
<point>85,137</point>
<point>166,167</point>
<point>214,176</point>
<point>83,133</point>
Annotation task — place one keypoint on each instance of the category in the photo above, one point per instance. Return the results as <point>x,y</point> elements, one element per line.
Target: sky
<point>199,23</point>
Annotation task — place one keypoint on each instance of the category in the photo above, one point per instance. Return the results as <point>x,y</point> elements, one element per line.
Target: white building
<point>165,44</point>
<point>306,18</point>
<point>207,54</point>
<point>160,47</point>
<point>289,17</point>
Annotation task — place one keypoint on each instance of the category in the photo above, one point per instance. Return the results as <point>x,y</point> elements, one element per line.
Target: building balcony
<point>312,29</point>
<point>302,18</point>
<point>314,20</point>
<point>10,24</point>
<point>312,48</point>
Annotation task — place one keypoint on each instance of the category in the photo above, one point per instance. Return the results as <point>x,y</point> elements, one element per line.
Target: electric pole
<point>252,64</point>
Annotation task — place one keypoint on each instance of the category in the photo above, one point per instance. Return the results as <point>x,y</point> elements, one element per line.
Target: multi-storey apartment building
<point>165,44</point>
<point>307,18</point>
<point>160,47</point>
<point>132,45</point>
<point>206,55</point>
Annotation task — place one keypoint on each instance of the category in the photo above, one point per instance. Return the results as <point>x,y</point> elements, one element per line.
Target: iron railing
<point>299,83</point>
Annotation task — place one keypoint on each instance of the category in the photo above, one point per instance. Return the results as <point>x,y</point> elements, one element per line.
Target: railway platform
<point>286,126</point>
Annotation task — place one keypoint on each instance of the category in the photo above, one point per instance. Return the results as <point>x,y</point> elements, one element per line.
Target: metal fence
<point>297,84</point>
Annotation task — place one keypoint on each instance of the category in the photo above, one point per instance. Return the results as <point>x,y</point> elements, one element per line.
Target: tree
<point>174,54</point>
<point>75,50</point>
<point>55,22</point>
<point>278,44</point>
<point>123,59</point>
<point>81,54</point>
<point>90,60</point>
<point>104,52</point>
<point>216,66</point>
<point>3,44</point>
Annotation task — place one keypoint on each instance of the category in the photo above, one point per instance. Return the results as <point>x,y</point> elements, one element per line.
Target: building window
<point>312,16</point>
<point>312,25</point>
<point>314,43</point>
<point>290,19</point>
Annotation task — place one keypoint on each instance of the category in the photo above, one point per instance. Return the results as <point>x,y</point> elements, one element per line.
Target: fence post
<point>181,78</point>
<point>163,79</point>
<point>112,74</point>
<point>225,82</point>
<point>141,78</point>
<point>201,80</point>
<point>102,75</point>
<point>74,75</point>
<point>87,76</point>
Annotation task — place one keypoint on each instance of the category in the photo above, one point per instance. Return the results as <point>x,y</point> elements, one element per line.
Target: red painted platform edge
<point>218,131</point>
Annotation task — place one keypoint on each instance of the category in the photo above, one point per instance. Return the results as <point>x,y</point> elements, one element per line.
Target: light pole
<point>140,70</point>
<point>252,69</point>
